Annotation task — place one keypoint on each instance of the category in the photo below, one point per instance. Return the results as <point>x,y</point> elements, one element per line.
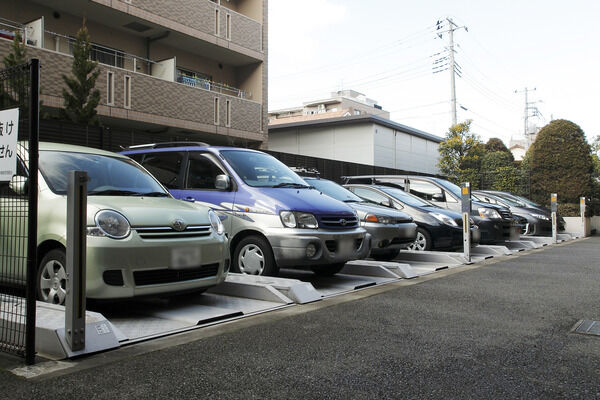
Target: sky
<point>387,49</point>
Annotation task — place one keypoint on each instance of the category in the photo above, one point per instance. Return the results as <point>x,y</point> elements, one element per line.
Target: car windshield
<point>406,198</point>
<point>451,187</point>
<point>526,201</point>
<point>108,176</point>
<point>334,190</point>
<point>262,170</point>
<point>505,199</point>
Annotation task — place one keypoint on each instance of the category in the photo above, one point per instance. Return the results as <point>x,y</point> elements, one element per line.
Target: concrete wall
<point>399,150</point>
<point>345,143</point>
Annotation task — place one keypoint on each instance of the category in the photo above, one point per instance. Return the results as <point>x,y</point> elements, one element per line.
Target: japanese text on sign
<point>9,128</point>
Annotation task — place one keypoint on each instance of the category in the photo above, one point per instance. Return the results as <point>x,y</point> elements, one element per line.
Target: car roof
<point>71,148</point>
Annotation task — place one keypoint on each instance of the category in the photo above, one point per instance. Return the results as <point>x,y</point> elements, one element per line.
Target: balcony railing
<point>212,86</point>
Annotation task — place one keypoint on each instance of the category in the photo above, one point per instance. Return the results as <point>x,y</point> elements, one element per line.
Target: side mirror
<point>438,197</point>
<point>222,182</point>
<point>18,184</point>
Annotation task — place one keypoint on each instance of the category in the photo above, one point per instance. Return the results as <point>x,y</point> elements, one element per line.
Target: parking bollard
<point>554,210</point>
<point>466,216</point>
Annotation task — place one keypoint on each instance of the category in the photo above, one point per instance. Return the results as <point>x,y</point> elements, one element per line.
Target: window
<point>217,22</point>
<point>371,196</point>
<point>227,112</point>
<point>202,172</point>
<point>110,88</point>
<point>426,190</point>
<point>127,91</point>
<point>216,111</point>
<point>228,27</point>
<point>165,167</point>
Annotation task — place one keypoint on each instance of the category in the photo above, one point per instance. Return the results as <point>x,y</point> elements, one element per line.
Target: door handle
<point>190,199</point>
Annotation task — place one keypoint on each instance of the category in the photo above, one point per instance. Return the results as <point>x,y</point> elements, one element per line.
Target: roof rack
<point>306,171</point>
<point>165,144</point>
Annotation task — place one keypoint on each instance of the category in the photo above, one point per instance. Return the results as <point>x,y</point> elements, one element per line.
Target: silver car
<point>140,240</point>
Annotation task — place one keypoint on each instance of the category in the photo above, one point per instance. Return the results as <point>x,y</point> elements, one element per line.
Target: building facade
<point>190,69</point>
<point>363,139</point>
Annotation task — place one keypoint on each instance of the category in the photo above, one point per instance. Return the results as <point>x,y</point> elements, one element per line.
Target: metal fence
<point>19,88</point>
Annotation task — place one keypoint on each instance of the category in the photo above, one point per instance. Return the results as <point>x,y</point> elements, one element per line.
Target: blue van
<point>273,218</point>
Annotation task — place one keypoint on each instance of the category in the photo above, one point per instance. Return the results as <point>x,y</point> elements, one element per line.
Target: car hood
<point>274,200</point>
<point>367,208</point>
<point>149,211</point>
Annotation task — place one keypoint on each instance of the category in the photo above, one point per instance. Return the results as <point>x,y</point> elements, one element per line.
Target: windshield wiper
<point>353,201</point>
<point>292,185</point>
<point>111,192</point>
<point>154,194</point>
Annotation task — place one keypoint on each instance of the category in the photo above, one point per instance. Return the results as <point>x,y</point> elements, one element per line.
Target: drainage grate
<point>588,327</point>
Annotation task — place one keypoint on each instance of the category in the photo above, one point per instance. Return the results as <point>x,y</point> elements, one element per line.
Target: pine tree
<point>81,99</point>
<point>18,52</point>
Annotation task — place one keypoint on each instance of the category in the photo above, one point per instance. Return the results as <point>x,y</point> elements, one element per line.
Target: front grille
<point>158,276</point>
<point>166,232</point>
<point>338,221</point>
<point>113,277</point>
<point>331,245</point>
<point>357,243</point>
<point>505,214</point>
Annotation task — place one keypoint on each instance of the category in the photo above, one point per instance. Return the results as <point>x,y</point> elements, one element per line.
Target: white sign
<point>9,131</point>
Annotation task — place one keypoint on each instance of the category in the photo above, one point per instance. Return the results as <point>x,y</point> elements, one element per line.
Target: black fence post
<point>34,125</point>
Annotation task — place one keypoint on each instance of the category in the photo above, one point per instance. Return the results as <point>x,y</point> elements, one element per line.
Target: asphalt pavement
<point>501,329</point>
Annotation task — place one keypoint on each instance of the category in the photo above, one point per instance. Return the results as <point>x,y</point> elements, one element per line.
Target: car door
<point>200,172</point>
<point>433,193</point>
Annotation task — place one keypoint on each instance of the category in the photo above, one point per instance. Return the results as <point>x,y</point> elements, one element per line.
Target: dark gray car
<point>390,230</point>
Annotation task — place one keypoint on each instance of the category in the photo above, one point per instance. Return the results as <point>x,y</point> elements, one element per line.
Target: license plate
<point>346,246</point>
<point>185,257</point>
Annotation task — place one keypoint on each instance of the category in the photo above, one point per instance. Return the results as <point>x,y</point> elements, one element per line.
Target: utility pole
<point>451,28</point>
<point>528,106</point>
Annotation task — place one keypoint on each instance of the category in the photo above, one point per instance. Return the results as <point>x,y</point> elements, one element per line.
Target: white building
<point>364,139</point>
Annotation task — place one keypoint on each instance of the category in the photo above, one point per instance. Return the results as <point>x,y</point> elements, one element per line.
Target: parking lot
<point>498,328</point>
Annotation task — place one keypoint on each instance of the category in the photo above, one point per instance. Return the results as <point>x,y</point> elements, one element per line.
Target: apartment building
<point>342,103</point>
<point>190,69</point>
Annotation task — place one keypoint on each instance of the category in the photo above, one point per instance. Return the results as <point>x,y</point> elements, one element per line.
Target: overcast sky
<point>386,49</point>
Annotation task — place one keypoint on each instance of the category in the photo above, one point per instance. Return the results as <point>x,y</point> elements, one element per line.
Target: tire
<point>52,277</point>
<point>386,256</point>
<point>253,256</point>
<point>328,269</point>
<point>422,242</point>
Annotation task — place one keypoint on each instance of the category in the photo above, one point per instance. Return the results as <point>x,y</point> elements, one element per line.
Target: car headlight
<point>295,219</point>
<point>110,223</point>
<point>444,219</point>
<point>485,212</point>
<point>379,219</point>
<point>540,216</point>
<point>215,222</point>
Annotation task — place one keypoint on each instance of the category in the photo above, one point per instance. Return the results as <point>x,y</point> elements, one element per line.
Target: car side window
<point>166,167</point>
<point>371,196</point>
<point>427,191</point>
<point>202,172</point>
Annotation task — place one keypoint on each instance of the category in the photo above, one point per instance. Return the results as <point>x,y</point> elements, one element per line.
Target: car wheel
<point>328,269</point>
<point>422,242</point>
<point>386,256</point>
<point>253,256</point>
<point>52,277</point>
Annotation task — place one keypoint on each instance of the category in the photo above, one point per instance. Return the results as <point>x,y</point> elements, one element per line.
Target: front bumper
<point>390,236</point>
<point>495,230</point>
<point>290,246</point>
<point>135,266</point>
<point>446,237</point>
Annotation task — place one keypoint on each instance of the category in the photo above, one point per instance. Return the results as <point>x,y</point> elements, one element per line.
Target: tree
<point>498,171</point>
<point>18,52</point>
<point>460,155</point>
<point>495,144</point>
<point>560,162</point>
<point>16,91</point>
<point>81,99</point>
